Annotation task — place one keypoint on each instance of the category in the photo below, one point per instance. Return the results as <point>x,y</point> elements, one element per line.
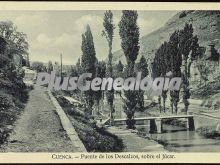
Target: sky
<point>50,33</point>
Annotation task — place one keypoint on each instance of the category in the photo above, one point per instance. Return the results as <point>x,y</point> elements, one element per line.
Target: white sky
<point>53,32</point>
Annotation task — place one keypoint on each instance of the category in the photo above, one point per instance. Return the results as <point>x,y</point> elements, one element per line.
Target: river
<point>179,139</point>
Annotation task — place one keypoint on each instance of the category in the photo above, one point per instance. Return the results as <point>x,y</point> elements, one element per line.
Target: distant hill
<point>206,26</point>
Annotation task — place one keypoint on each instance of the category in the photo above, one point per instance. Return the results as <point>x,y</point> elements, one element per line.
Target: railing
<point>157,117</point>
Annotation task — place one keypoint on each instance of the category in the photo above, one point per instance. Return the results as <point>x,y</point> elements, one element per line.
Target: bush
<point>94,138</point>
<point>209,132</point>
<point>62,101</point>
<point>13,95</point>
<point>3,135</point>
<point>98,139</point>
<point>183,14</point>
<point>207,90</point>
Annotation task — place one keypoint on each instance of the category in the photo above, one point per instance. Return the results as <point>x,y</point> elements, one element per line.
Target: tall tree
<point>74,72</point>
<point>100,72</point>
<point>175,67</point>
<point>88,62</point>
<point>165,68</point>
<point>108,32</point>
<point>129,34</point>
<point>17,41</point>
<point>119,69</point>
<point>50,67</point>
<point>142,67</point>
<point>156,70</point>
<point>38,66</point>
<point>118,72</point>
<point>187,44</point>
<point>78,67</point>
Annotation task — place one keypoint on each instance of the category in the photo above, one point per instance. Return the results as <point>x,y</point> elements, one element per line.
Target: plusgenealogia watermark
<point>85,82</point>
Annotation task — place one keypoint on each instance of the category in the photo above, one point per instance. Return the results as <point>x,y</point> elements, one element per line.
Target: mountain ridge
<point>206,26</point>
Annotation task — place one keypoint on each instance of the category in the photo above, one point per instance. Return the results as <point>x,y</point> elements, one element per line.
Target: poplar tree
<point>100,72</point>
<point>142,67</point>
<point>176,56</point>
<point>175,67</point>
<point>156,70</point>
<point>187,44</point>
<point>118,72</point>
<point>108,32</point>
<point>129,34</point>
<point>78,67</point>
<point>88,62</point>
<point>165,68</point>
<point>119,68</point>
<point>49,67</point>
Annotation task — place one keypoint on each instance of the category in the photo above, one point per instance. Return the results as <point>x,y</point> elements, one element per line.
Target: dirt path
<point>39,128</point>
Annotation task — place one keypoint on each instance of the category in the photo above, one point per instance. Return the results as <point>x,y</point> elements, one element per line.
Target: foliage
<point>108,32</point>
<point>100,72</point>
<point>187,44</point>
<point>129,34</point>
<point>175,66</point>
<point>207,90</point>
<point>174,55</point>
<point>204,71</point>
<point>88,62</point>
<point>50,67</point>
<point>16,41</point>
<point>157,70</point>
<point>13,92</point>
<point>209,132</point>
<point>38,66</point>
<point>78,67</point>
<point>95,139</point>
<point>118,69</point>
<point>142,67</point>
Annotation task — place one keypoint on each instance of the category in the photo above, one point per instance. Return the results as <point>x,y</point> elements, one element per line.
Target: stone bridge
<point>156,124</point>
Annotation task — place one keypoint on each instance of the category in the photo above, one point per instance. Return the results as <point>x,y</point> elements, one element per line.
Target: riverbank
<point>95,139</point>
<point>135,143</point>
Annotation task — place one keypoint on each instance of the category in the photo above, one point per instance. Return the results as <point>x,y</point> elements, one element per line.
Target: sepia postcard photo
<point>109,82</point>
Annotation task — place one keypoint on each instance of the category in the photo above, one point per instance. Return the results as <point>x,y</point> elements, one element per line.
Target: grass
<point>209,132</point>
<point>207,90</point>
<point>12,99</point>
<point>94,138</point>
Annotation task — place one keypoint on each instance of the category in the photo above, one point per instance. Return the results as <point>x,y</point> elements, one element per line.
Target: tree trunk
<point>159,102</point>
<point>111,115</point>
<point>130,119</point>
<point>98,104</point>
<point>175,106</point>
<point>131,97</point>
<point>164,104</point>
<point>171,105</point>
<point>185,86</point>
<point>189,68</point>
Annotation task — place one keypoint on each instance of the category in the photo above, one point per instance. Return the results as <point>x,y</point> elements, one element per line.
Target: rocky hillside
<point>206,26</point>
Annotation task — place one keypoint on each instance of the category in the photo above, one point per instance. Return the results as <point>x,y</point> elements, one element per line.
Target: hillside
<point>206,26</point>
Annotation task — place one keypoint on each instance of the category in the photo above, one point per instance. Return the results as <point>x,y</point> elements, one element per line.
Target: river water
<point>179,139</point>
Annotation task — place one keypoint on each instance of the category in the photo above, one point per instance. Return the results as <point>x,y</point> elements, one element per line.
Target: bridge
<point>156,124</point>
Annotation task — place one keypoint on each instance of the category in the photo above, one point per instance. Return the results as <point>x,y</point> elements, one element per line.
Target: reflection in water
<point>179,139</point>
